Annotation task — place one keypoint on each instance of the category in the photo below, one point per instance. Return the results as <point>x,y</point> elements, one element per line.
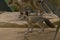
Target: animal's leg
<point>41,25</point>
<point>30,27</point>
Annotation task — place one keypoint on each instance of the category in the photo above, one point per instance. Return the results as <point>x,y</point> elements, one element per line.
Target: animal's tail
<point>49,23</point>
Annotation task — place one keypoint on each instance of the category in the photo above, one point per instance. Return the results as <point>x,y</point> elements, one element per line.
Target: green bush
<point>14,7</point>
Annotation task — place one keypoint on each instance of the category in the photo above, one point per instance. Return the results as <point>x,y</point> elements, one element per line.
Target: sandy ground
<point>18,34</point>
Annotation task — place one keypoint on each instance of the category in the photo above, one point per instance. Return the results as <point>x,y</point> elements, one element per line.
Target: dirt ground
<point>11,20</point>
<point>18,34</point>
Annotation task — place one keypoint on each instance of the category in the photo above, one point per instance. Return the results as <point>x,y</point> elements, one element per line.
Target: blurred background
<point>51,3</point>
